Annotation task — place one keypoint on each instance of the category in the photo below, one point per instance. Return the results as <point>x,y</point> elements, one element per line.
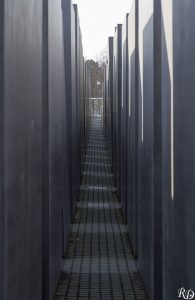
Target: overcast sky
<point>98,19</point>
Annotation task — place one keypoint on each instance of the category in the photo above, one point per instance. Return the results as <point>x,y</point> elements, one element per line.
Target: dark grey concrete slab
<point>157,136</point>
<point>34,183</point>
<point>124,114</point>
<point>77,133</point>
<point>21,149</point>
<point>1,151</point>
<point>117,98</point>
<point>145,177</point>
<point>109,99</point>
<point>56,205</point>
<point>132,131</point>
<point>178,92</point>
<point>70,74</point>
<point>160,144</point>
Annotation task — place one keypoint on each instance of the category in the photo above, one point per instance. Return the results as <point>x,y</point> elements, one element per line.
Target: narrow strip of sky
<point>98,19</point>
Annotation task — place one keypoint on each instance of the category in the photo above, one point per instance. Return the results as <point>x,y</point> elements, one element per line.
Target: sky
<point>98,19</point>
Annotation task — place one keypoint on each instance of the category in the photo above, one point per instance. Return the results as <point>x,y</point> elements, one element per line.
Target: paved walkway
<point>99,263</point>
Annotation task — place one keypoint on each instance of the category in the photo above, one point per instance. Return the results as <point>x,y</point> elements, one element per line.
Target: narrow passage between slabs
<point>99,262</point>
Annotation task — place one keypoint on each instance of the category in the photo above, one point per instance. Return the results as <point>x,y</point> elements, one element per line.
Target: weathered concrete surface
<point>117,100</point>
<point>145,176</point>
<point>79,101</point>
<point>34,181</point>
<point>157,149</point>
<point>124,113</point>
<point>54,202</point>
<point>109,98</point>
<point>21,149</point>
<point>160,143</point>
<point>1,152</point>
<point>178,93</point>
<point>33,152</point>
<point>70,74</point>
<point>76,136</point>
<point>132,130</point>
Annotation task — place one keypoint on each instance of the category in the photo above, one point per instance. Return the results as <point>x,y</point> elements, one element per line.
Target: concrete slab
<point>178,92</point>
<point>21,149</point>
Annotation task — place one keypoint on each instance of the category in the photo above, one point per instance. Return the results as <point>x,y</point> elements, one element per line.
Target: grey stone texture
<point>34,170</point>
<point>160,143</point>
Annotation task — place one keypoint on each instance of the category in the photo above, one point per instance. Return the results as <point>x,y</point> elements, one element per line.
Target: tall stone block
<point>76,133</point>
<point>20,149</point>
<point>117,100</point>
<point>70,78</point>
<point>124,113</point>
<point>178,92</point>
<point>145,175</point>
<point>132,129</point>
<point>157,148</point>
<point>55,202</point>
<point>108,111</point>
<point>1,150</point>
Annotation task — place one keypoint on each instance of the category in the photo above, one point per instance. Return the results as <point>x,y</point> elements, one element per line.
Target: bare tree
<point>102,57</point>
<point>96,71</point>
